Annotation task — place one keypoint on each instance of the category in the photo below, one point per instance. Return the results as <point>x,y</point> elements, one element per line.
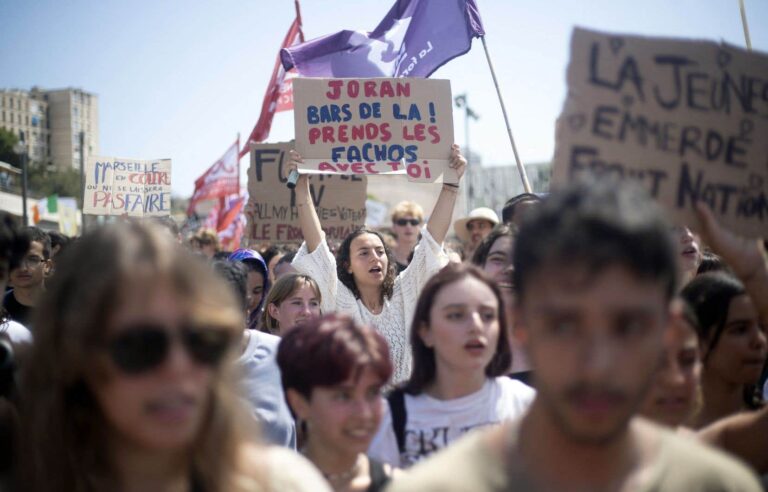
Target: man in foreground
<point>595,274</point>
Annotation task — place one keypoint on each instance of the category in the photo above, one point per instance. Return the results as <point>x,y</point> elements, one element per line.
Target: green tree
<point>8,140</point>
<point>43,181</point>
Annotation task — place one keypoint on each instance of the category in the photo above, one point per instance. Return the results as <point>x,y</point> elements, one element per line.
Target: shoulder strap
<point>396,400</point>
<point>379,477</point>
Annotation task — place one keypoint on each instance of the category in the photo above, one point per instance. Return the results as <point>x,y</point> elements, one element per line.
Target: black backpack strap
<point>379,477</point>
<point>396,400</point>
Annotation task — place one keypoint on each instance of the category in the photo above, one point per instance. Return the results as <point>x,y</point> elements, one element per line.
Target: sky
<point>180,79</point>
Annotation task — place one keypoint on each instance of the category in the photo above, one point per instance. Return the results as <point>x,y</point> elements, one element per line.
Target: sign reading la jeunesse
<point>687,120</point>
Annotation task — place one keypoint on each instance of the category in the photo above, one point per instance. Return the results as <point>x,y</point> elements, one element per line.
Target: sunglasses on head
<point>404,222</point>
<point>144,347</point>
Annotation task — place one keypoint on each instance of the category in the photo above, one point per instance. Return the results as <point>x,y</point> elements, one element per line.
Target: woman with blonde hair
<point>294,299</point>
<point>407,218</point>
<point>127,385</point>
<point>205,242</point>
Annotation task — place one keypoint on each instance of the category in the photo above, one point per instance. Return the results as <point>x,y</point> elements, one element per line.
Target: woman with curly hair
<point>362,281</point>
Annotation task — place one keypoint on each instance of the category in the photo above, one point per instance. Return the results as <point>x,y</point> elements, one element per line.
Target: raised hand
<point>457,161</point>
<point>744,256</point>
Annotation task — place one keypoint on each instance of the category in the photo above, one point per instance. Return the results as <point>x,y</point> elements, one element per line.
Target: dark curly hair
<point>343,261</point>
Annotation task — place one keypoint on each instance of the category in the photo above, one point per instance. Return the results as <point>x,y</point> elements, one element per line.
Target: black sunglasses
<point>145,346</point>
<point>403,222</point>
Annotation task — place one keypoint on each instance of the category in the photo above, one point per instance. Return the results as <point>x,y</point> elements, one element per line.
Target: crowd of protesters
<point>584,343</point>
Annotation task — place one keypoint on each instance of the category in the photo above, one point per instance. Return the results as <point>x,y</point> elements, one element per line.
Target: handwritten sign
<point>138,188</point>
<point>688,120</point>
<point>375,126</point>
<point>271,210</point>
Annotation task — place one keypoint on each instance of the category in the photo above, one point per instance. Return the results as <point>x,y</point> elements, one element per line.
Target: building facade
<point>25,114</point>
<point>49,123</point>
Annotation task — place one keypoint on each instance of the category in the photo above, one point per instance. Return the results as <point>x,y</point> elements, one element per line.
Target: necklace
<point>345,476</point>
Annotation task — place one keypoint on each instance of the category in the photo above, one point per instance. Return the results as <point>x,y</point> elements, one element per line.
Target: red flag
<point>232,222</point>
<point>285,96</point>
<point>230,212</point>
<point>279,96</point>
<point>221,179</point>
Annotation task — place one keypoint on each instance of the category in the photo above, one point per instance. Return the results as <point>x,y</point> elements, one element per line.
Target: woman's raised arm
<point>440,219</point>
<point>308,219</point>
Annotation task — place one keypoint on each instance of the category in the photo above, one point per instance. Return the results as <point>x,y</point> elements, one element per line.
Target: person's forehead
<point>609,290</point>
<point>502,244</point>
<point>366,240</point>
<point>741,308</point>
<point>465,290</point>
<point>407,215</point>
<point>303,288</point>
<point>255,277</point>
<point>35,247</point>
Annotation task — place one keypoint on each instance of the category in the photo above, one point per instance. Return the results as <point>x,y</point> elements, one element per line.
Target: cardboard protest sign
<point>687,120</point>
<point>375,126</point>
<point>138,188</point>
<point>271,210</point>
<point>68,216</point>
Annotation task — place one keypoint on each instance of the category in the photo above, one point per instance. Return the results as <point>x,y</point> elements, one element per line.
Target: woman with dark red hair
<point>333,371</point>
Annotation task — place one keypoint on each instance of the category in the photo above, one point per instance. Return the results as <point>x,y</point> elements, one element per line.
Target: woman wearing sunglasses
<point>127,386</point>
<point>406,219</point>
<point>362,281</point>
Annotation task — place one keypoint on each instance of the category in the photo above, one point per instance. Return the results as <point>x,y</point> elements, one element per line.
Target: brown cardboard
<point>653,110</point>
<point>375,126</point>
<point>133,187</point>
<point>271,212</point>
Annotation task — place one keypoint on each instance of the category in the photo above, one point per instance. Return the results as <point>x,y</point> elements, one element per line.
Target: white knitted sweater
<point>394,321</point>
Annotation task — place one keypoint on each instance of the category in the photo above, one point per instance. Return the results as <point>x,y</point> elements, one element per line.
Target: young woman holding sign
<point>363,281</point>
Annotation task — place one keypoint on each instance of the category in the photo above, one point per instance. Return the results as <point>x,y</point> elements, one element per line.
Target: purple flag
<point>415,38</point>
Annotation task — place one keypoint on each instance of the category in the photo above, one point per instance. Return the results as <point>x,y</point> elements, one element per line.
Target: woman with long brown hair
<point>461,355</point>
<point>128,387</point>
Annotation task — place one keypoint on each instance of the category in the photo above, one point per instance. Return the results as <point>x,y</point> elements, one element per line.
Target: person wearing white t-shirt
<point>363,281</point>
<point>15,332</point>
<point>461,355</point>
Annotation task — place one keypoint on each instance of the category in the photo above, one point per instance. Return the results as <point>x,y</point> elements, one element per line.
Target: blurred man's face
<point>596,341</point>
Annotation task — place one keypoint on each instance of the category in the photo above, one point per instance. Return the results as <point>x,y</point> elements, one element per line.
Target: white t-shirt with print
<point>433,424</point>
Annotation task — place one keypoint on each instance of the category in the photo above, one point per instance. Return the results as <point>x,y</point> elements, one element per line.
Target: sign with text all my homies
<point>687,120</point>
<point>272,213</point>
<point>133,187</point>
<point>375,126</point>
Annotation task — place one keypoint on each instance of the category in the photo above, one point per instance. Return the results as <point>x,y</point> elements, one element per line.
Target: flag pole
<point>743,25</point>
<point>520,168</point>
<point>237,147</point>
<point>298,16</point>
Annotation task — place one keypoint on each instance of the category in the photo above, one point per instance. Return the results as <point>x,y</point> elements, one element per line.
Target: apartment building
<point>50,121</point>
